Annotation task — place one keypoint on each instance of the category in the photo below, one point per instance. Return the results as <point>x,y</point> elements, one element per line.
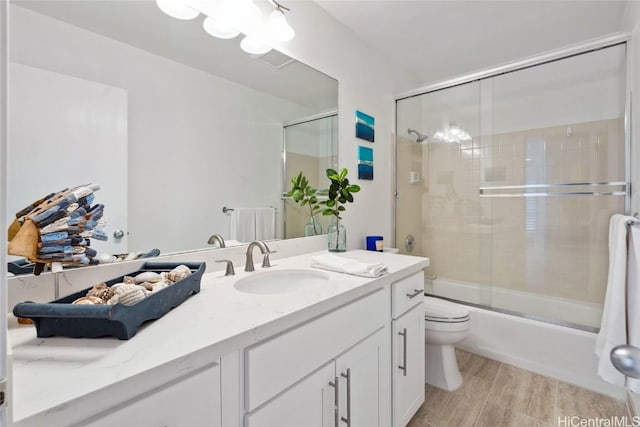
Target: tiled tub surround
<point>61,381</point>
<point>553,246</point>
<point>495,394</point>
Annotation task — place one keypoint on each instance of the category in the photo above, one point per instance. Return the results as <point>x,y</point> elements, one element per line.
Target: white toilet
<point>446,324</point>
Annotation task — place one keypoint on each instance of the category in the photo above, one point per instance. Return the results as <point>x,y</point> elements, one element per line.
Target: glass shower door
<point>511,194</point>
<point>438,212</point>
<point>556,163</point>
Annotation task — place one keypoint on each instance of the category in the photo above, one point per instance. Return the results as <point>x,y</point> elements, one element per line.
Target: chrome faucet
<point>216,238</point>
<point>264,249</point>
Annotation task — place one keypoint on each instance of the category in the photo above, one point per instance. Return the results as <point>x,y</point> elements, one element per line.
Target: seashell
<point>129,280</point>
<point>97,289</point>
<point>115,299</point>
<point>158,286</point>
<point>179,273</point>
<point>148,276</point>
<point>132,296</point>
<point>105,258</point>
<point>88,301</point>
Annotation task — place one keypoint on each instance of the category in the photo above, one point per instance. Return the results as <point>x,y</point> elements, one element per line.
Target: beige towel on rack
<point>243,225</point>
<point>265,223</point>
<point>613,327</point>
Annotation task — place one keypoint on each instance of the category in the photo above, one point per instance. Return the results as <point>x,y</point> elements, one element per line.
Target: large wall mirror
<point>174,124</point>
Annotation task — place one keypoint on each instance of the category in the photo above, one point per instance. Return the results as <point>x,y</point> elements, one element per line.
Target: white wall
<point>365,84</point>
<point>185,146</point>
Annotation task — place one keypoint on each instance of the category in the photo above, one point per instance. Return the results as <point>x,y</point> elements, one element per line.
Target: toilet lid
<point>439,309</point>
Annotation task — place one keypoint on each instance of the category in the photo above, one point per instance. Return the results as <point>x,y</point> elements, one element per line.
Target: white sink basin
<point>281,281</point>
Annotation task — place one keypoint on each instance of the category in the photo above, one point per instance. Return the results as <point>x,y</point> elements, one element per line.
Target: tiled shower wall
<point>556,246</point>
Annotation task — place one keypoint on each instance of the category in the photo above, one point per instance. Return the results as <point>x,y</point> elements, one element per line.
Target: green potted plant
<point>304,194</point>
<point>340,192</point>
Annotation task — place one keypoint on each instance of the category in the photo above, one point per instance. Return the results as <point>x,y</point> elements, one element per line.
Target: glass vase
<point>313,227</point>
<point>337,236</point>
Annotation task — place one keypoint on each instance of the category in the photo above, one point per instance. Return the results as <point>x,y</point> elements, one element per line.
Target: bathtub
<point>548,349</point>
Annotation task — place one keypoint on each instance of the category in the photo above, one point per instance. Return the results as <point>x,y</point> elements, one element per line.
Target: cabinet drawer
<point>276,364</point>
<point>193,401</point>
<point>406,293</point>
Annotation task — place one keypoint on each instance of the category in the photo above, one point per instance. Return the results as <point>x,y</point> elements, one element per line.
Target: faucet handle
<point>265,260</point>
<point>229,271</point>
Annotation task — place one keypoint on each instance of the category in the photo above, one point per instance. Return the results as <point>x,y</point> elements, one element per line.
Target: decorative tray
<point>62,318</point>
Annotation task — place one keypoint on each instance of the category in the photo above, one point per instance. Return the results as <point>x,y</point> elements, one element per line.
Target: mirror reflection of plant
<point>304,194</point>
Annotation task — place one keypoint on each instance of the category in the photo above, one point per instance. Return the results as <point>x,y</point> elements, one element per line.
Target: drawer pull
<point>415,293</point>
<point>348,377</point>
<point>403,367</point>
<point>336,396</point>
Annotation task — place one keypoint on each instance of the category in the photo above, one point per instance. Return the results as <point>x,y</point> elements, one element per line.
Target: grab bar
<point>489,191</point>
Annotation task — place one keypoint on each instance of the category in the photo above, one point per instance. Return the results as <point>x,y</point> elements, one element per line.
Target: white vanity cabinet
<point>192,401</point>
<point>408,356</point>
<point>331,372</point>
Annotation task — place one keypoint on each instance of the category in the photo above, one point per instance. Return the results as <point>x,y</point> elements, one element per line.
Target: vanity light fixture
<point>277,25</point>
<point>231,17</point>
<point>177,9</point>
<point>218,28</point>
<point>453,133</point>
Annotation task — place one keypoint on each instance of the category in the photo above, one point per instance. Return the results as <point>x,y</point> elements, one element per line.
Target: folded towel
<point>348,266</point>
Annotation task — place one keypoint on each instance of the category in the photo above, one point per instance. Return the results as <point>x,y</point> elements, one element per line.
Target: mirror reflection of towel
<point>243,225</point>
<point>265,224</point>
<point>249,224</point>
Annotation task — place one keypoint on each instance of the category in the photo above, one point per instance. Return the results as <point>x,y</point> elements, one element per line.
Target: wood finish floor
<point>495,394</point>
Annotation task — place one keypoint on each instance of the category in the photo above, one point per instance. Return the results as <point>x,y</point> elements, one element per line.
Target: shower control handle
<point>348,377</point>
<point>336,397</point>
<point>403,367</point>
<point>415,293</point>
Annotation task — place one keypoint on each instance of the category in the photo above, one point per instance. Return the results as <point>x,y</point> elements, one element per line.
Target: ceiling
<point>430,41</point>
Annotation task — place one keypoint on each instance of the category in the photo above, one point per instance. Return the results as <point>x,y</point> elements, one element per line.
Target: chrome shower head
<point>420,137</point>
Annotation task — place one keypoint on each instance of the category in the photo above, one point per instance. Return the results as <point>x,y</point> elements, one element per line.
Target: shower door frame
<point>530,62</point>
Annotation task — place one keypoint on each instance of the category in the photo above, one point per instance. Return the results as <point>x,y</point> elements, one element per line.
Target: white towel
<point>265,223</point>
<point>633,296</point>
<point>243,225</point>
<point>348,266</point>
<point>613,327</point>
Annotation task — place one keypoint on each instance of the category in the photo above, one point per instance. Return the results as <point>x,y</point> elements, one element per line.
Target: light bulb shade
<point>278,28</point>
<point>219,29</point>
<point>254,45</point>
<point>177,9</point>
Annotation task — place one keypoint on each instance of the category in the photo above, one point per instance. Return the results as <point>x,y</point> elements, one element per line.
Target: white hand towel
<point>243,225</point>
<point>633,296</point>
<point>348,266</point>
<point>613,328</point>
<point>265,223</point>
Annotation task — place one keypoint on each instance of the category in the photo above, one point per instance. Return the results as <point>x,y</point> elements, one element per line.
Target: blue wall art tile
<point>365,171</point>
<point>365,125</point>
<point>365,154</point>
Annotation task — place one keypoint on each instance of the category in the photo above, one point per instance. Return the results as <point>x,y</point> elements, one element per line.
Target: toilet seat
<point>442,311</point>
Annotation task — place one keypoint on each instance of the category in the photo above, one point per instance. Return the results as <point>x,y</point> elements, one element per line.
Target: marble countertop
<point>52,375</point>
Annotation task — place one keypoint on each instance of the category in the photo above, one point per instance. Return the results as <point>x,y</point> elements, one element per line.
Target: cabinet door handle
<point>403,334</point>
<point>415,293</point>
<point>348,377</point>
<point>336,395</point>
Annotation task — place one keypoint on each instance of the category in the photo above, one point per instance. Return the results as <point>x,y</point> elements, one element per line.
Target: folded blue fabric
<point>56,248</point>
<point>52,237</point>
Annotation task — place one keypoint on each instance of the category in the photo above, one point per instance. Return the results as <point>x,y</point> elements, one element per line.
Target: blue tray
<point>61,318</point>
